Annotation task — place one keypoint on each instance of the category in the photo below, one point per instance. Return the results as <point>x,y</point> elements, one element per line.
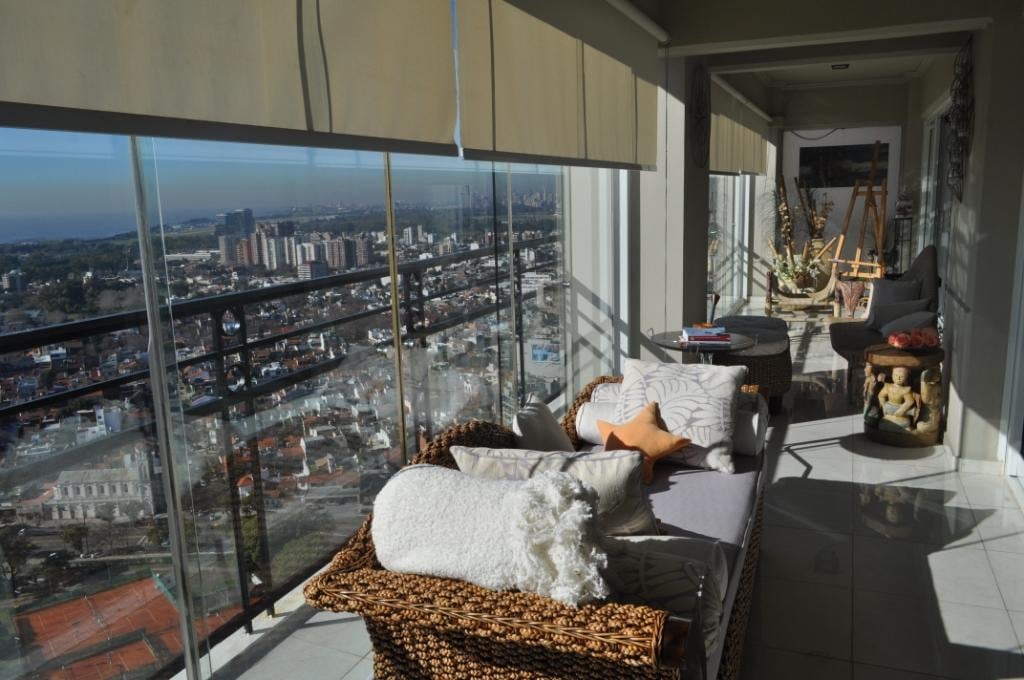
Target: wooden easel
<point>874,206</point>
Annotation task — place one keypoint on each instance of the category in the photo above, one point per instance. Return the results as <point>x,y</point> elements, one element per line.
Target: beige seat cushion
<point>617,476</point>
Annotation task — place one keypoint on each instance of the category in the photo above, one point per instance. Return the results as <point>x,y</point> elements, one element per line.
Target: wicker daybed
<point>425,627</point>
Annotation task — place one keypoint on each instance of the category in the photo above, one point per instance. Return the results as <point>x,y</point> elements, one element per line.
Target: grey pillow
<point>535,427</point>
<point>616,476</point>
<point>885,292</point>
<point>909,322</point>
<point>882,314</point>
<point>695,401</point>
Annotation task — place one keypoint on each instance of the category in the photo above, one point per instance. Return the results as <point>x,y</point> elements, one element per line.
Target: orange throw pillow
<point>644,433</point>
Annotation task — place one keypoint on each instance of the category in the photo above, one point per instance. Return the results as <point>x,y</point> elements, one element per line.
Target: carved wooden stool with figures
<point>903,400</point>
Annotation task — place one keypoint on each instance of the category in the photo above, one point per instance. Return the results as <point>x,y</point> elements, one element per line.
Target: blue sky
<point>62,184</point>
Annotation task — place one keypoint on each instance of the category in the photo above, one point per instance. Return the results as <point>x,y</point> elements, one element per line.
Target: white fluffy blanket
<point>538,535</point>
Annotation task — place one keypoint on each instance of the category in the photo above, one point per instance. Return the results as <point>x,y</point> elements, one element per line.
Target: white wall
<point>791,145</point>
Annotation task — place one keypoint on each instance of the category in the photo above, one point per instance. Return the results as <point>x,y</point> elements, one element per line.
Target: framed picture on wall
<point>841,166</point>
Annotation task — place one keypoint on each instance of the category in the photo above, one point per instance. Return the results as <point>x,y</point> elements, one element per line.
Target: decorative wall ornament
<point>699,111</point>
<point>960,119</point>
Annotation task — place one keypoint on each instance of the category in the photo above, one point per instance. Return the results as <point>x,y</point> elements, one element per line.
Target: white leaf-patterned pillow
<point>696,401</point>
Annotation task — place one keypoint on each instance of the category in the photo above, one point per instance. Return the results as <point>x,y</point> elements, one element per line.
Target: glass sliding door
<point>538,238</point>
<point>285,411</point>
<point>450,260</point>
<point>87,575</point>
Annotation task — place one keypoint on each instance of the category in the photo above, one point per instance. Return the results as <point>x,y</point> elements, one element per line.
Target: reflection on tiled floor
<point>879,563</point>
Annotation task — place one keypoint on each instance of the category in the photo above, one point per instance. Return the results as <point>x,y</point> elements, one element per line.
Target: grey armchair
<point>850,339</point>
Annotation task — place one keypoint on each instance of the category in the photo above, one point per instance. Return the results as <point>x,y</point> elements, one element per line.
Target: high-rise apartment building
<point>364,250</point>
<point>305,252</point>
<point>228,249</point>
<point>341,253</point>
<point>14,281</point>
<point>312,270</point>
<point>237,223</point>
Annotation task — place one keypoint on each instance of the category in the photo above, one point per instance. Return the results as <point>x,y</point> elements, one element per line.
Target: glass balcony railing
<point>284,407</point>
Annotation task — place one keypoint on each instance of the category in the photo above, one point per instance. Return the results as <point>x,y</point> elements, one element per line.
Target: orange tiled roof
<point>133,626</point>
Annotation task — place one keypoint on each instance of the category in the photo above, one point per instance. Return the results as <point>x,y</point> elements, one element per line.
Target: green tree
<point>77,536</point>
<point>105,512</point>
<point>14,552</point>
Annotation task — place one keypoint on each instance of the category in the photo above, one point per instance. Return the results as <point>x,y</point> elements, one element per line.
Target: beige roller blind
<point>647,119</point>
<point>233,62</point>
<point>390,68</point>
<point>609,107</point>
<point>379,70</point>
<point>537,81</point>
<point>738,135</point>
<point>570,82</point>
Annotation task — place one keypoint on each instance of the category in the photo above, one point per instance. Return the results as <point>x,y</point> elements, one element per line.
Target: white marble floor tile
<point>1017,619</point>
<point>362,670</point>
<point>939,638</point>
<point>960,575</point>
<point>938,456</point>
<point>765,663</point>
<point>1009,573</point>
<point>341,631</point>
<point>865,672</point>
<point>1002,529</point>
<point>803,555</point>
<point>294,656</point>
<point>988,491</point>
<point>963,576</point>
<point>814,461</point>
<point>887,566</point>
<point>802,617</point>
<point>817,504</point>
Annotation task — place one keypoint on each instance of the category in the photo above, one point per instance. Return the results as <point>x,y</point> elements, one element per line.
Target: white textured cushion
<point>751,425</point>
<point>669,572</point>
<point>587,417</point>
<point>616,476</point>
<point>537,535</point>
<point>605,392</point>
<point>696,401</point>
<point>535,427</point>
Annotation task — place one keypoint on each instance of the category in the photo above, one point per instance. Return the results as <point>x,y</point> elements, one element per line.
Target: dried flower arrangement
<point>803,269</point>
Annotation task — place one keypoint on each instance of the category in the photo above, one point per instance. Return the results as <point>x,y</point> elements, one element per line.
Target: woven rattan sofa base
<point>424,627</point>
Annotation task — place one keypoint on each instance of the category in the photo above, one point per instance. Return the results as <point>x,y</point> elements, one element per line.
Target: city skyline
<point>60,185</point>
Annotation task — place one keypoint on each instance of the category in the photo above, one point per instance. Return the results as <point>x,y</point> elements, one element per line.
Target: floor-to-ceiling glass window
<point>450,260</point>
<point>728,243</point>
<point>269,270</point>
<point>274,261</point>
<point>87,581</point>
<point>538,233</point>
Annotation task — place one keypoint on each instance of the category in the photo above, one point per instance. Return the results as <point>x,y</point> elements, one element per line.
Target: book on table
<point>706,336</point>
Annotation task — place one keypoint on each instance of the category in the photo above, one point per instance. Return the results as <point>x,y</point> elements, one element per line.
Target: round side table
<point>903,400</point>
